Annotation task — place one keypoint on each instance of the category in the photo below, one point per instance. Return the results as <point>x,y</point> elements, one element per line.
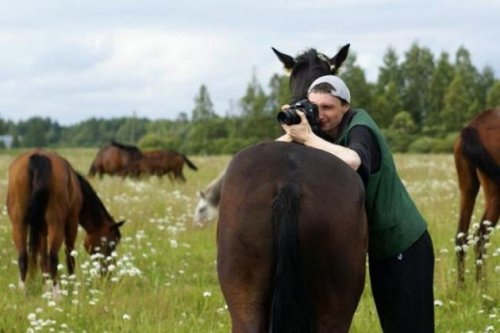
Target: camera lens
<point>288,117</point>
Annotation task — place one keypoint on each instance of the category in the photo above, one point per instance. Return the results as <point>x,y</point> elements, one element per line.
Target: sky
<point>71,60</point>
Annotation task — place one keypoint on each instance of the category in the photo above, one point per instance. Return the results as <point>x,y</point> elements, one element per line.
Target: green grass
<point>165,278</point>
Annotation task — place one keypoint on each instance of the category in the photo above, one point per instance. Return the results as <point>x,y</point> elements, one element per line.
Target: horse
<point>292,229</point>
<point>113,159</point>
<point>304,69</point>
<point>292,239</point>
<point>477,160</point>
<point>159,163</point>
<point>46,199</point>
<point>208,204</point>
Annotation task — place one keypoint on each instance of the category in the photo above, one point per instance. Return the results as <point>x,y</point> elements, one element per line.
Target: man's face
<point>331,111</point>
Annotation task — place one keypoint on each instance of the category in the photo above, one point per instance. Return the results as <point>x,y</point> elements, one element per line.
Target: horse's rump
<point>269,188</point>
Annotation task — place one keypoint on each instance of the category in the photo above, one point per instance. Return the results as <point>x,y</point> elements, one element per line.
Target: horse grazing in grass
<point>208,204</point>
<point>159,163</point>
<point>292,230</point>
<point>113,159</point>
<point>477,160</point>
<point>46,199</point>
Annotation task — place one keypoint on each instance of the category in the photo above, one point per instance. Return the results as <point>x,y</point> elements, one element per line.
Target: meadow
<point>164,278</point>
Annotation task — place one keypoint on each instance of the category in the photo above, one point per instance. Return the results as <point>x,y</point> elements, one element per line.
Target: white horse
<point>207,208</point>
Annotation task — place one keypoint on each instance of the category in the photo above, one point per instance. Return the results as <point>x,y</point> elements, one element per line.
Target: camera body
<point>290,116</point>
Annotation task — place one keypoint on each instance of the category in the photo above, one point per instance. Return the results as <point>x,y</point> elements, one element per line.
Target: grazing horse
<point>292,230</point>
<point>208,204</point>
<point>477,160</point>
<point>113,159</point>
<point>46,199</point>
<point>292,240</point>
<point>159,163</point>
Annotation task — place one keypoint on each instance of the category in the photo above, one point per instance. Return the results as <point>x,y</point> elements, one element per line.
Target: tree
<point>417,70</point>
<point>258,119</point>
<point>390,72</point>
<point>203,106</point>
<point>456,104</point>
<point>440,80</point>
<point>386,105</point>
<point>354,77</point>
<point>493,96</point>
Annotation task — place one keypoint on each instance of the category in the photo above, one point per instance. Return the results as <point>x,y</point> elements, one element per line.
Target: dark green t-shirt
<point>394,221</point>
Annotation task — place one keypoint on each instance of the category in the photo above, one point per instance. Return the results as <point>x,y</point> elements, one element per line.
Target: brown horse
<point>477,160</point>
<point>292,240</point>
<point>46,199</point>
<point>159,163</point>
<point>113,159</point>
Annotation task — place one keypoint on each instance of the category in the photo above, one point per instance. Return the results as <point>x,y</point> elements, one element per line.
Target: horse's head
<point>104,240</point>
<point>308,66</point>
<point>204,211</point>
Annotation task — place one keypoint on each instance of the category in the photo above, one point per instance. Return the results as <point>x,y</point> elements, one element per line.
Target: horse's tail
<point>290,308</point>
<point>39,175</point>
<point>93,169</point>
<point>189,163</point>
<point>477,155</point>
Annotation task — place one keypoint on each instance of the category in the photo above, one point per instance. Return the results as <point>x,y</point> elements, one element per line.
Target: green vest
<point>394,221</point>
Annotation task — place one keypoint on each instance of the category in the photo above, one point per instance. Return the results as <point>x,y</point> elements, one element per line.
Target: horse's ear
<point>287,60</point>
<point>337,60</point>
<point>118,224</point>
<point>201,194</point>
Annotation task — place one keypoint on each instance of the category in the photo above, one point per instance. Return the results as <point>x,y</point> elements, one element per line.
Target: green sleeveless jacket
<point>394,221</point>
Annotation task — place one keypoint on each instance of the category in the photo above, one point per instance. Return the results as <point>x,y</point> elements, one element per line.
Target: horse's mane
<point>92,206</point>
<point>309,65</point>
<point>130,148</point>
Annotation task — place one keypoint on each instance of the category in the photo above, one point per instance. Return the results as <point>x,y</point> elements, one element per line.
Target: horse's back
<point>63,191</point>
<point>331,228</point>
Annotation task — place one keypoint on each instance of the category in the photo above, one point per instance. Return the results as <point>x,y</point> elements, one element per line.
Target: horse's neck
<point>214,189</point>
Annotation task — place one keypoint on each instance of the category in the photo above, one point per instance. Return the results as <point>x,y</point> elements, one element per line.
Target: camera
<point>290,116</point>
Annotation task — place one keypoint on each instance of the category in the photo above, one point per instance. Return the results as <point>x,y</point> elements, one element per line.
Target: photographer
<point>401,259</point>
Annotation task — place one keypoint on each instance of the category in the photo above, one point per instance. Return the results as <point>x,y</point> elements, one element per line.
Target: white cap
<point>339,90</point>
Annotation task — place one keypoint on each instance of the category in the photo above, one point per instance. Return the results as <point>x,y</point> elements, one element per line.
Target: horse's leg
<point>19,235</point>
<point>488,220</point>
<point>469,186</point>
<point>54,241</point>
<point>243,267</point>
<point>69,240</point>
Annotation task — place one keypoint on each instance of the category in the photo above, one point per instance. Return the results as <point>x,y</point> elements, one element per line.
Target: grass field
<point>165,278</point>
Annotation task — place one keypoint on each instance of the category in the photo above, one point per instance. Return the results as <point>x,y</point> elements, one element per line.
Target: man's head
<point>332,97</point>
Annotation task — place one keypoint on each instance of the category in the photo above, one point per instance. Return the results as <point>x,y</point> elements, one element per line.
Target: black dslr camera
<point>290,116</point>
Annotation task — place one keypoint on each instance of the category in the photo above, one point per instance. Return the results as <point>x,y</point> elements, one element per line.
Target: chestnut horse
<point>113,159</point>
<point>292,230</point>
<point>477,160</point>
<point>46,199</point>
<point>159,163</point>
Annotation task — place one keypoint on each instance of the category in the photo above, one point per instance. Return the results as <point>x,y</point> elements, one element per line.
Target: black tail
<point>475,152</point>
<point>189,163</point>
<point>290,308</point>
<point>40,171</point>
<point>92,170</point>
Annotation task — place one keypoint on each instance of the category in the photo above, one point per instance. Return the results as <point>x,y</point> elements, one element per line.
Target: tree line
<point>419,100</point>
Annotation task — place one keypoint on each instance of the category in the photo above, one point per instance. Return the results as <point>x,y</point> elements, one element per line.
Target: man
<point>401,259</point>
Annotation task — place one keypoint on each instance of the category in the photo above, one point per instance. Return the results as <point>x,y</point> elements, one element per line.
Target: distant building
<point>7,140</point>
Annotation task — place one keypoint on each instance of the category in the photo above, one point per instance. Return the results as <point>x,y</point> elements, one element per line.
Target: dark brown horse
<point>292,230</point>
<point>160,163</point>
<point>46,200</point>
<point>113,159</point>
<point>292,240</point>
<point>477,159</point>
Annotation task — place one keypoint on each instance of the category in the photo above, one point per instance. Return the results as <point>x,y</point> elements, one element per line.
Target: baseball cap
<point>339,90</point>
